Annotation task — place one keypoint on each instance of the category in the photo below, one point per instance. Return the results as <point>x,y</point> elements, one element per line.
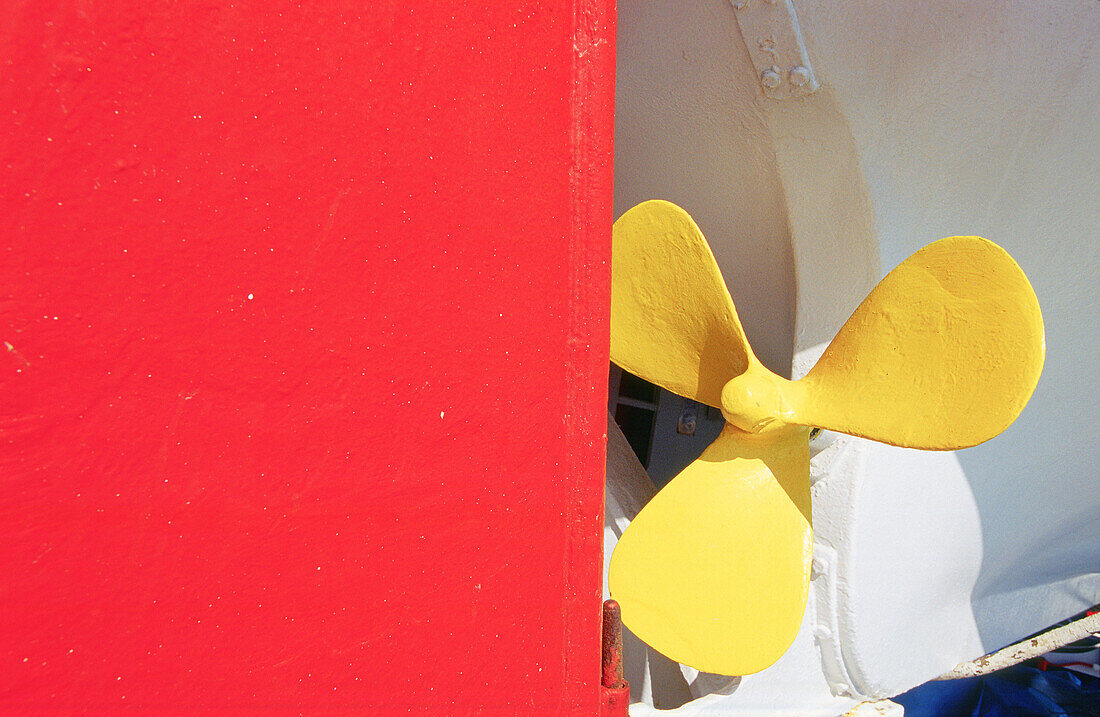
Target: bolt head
<point>799,75</point>
<point>771,79</point>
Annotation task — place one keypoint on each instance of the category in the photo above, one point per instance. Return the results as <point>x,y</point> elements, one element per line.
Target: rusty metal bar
<point>615,690</point>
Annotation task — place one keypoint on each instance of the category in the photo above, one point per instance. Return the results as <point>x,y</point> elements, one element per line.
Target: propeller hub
<point>754,401</point>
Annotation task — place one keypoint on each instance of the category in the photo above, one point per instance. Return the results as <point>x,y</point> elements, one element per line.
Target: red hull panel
<point>305,324</point>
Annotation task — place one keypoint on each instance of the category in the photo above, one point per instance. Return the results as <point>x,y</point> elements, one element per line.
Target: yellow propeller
<point>942,354</point>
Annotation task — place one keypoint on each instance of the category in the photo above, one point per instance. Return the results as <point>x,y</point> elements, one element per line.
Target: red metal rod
<point>616,690</point>
<point>612,645</point>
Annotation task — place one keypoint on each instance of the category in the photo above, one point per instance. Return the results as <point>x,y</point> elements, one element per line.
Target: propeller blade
<point>942,354</point>
<point>713,572</point>
<point>672,320</point>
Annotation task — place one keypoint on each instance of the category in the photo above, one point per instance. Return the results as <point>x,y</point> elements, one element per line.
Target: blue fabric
<point>1018,691</point>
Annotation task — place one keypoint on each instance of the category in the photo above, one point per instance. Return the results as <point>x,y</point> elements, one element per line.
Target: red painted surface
<point>301,401</point>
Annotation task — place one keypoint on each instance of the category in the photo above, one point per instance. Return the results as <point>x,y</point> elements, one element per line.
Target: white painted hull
<point>931,121</point>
